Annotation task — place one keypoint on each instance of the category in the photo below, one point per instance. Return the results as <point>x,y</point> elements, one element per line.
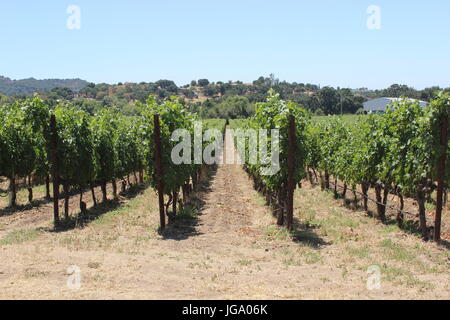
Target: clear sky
<point>325,42</point>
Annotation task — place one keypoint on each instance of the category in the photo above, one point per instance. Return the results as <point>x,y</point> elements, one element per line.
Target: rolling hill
<point>31,85</point>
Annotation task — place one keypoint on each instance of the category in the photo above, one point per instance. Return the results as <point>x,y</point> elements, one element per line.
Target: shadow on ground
<point>410,226</point>
<point>306,234</point>
<point>36,203</point>
<point>83,219</point>
<point>25,207</point>
<point>184,225</point>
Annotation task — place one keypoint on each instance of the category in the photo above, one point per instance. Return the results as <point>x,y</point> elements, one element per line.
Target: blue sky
<point>325,42</point>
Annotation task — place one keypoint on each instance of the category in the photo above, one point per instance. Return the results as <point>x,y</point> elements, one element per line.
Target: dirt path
<point>229,249</point>
<point>230,210</point>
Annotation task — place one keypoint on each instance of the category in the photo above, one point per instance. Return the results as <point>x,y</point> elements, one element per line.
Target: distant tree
<point>210,91</point>
<point>260,82</point>
<point>313,103</point>
<point>203,82</point>
<point>90,91</point>
<point>348,102</point>
<point>273,80</point>
<point>329,100</point>
<point>189,94</point>
<point>62,93</point>
<point>234,107</point>
<point>397,91</point>
<point>168,85</point>
<point>428,93</point>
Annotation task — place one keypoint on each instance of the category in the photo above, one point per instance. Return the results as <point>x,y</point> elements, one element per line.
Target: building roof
<point>382,103</point>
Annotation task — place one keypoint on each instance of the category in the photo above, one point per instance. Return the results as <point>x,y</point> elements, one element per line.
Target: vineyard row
<point>403,151</point>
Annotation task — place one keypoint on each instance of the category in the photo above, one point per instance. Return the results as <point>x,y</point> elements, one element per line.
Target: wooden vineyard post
<point>159,171</point>
<point>55,170</point>
<point>440,177</point>
<point>291,174</point>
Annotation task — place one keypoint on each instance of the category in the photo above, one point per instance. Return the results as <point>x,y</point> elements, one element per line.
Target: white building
<point>380,105</point>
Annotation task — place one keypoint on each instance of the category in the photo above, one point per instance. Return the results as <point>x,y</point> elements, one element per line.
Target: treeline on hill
<point>93,150</point>
<point>230,100</point>
<point>29,86</point>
